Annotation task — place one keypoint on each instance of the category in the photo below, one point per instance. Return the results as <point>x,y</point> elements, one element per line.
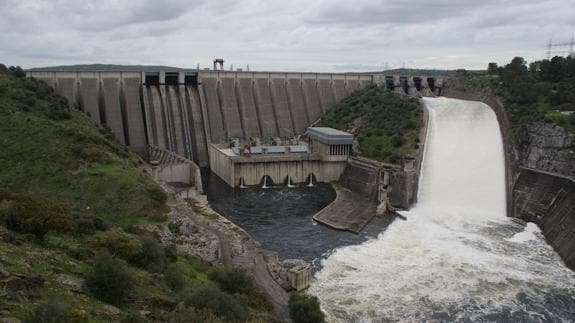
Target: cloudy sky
<point>299,35</point>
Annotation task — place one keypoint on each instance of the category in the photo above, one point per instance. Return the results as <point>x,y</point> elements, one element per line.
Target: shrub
<point>397,141</point>
<point>232,280</point>
<point>185,315</point>
<point>175,277</point>
<point>119,243</point>
<point>36,216</point>
<point>305,309</point>
<point>51,312</point>
<point>157,194</point>
<point>109,279</point>
<point>151,256</point>
<point>209,297</point>
<point>89,224</point>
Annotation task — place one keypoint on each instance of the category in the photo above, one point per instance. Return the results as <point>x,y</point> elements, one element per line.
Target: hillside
<point>74,205</point>
<point>386,124</point>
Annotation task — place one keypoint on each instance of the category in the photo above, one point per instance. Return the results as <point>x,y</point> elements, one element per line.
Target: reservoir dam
<point>179,117</point>
<point>457,257</point>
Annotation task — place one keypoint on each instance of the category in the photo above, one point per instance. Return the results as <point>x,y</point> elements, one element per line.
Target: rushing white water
<point>457,256</point>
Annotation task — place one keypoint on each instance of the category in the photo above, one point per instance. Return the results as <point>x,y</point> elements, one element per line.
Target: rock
<point>9,320</point>
<point>72,283</point>
<point>3,272</point>
<point>547,147</point>
<point>30,286</point>
<point>145,313</point>
<point>109,311</point>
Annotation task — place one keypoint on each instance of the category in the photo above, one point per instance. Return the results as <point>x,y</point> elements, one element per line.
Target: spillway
<point>457,257</point>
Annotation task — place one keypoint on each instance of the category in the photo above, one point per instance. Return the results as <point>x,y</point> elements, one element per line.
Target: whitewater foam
<point>457,257</point>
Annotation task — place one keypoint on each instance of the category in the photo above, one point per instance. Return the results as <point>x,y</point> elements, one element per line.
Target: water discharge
<point>457,257</point>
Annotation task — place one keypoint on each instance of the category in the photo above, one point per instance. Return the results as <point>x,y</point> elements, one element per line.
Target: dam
<point>457,257</point>
<point>170,113</point>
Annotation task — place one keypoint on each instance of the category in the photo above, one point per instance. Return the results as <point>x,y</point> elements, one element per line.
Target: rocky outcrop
<point>546,147</point>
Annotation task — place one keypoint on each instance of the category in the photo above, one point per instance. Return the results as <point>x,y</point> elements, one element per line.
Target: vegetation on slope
<point>541,91</point>
<point>72,202</point>
<point>386,124</point>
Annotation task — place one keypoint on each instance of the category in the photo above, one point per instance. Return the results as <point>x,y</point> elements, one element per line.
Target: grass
<point>386,124</point>
<point>61,156</point>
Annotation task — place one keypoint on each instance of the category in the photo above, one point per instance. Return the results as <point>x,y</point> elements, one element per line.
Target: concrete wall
<point>548,200</point>
<point>111,98</point>
<point>185,118</point>
<point>234,169</point>
<point>172,168</point>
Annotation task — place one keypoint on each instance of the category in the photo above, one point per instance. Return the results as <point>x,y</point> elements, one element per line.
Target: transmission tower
<point>562,48</point>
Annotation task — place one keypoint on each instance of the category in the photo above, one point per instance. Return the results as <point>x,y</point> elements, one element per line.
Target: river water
<point>457,257</point>
<point>280,218</point>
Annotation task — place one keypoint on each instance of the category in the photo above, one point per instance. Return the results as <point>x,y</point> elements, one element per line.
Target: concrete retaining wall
<point>173,168</point>
<point>548,200</point>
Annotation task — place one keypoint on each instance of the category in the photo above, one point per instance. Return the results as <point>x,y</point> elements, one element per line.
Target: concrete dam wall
<point>183,112</point>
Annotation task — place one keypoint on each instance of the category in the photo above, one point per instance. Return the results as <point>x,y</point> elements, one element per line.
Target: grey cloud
<point>327,35</point>
<point>364,12</point>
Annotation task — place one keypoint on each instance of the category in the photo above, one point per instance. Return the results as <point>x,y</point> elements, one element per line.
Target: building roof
<point>330,136</point>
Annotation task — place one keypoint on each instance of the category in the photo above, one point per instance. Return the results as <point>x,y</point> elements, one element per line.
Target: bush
<point>109,279</point>
<point>36,216</point>
<point>175,277</point>
<point>89,224</point>
<point>50,312</point>
<point>55,311</point>
<point>305,309</point>
<point>119,243</point>
<point>185,315</point>
<point>209,297</point>
<point>157,194</point>
<point>151,256</point>
<point>232,280</point>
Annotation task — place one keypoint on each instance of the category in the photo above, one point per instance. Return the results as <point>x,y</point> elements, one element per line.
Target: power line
<point>551,46</point>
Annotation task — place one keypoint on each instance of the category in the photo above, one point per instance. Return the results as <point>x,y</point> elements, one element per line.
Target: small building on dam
<point>319,155</point>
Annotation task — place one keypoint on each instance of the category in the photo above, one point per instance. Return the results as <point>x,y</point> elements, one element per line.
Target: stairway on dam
<point>184,111</point>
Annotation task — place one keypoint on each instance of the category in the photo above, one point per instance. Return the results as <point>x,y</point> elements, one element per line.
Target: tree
<point>516,69</point>
<point>175,277</point>
<point>492,68</point>
<point>109,279</point>
<point>305,309</point>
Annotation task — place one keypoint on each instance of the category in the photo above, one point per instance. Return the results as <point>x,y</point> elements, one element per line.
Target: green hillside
<point>72,202</point>
<point>387,125</point>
